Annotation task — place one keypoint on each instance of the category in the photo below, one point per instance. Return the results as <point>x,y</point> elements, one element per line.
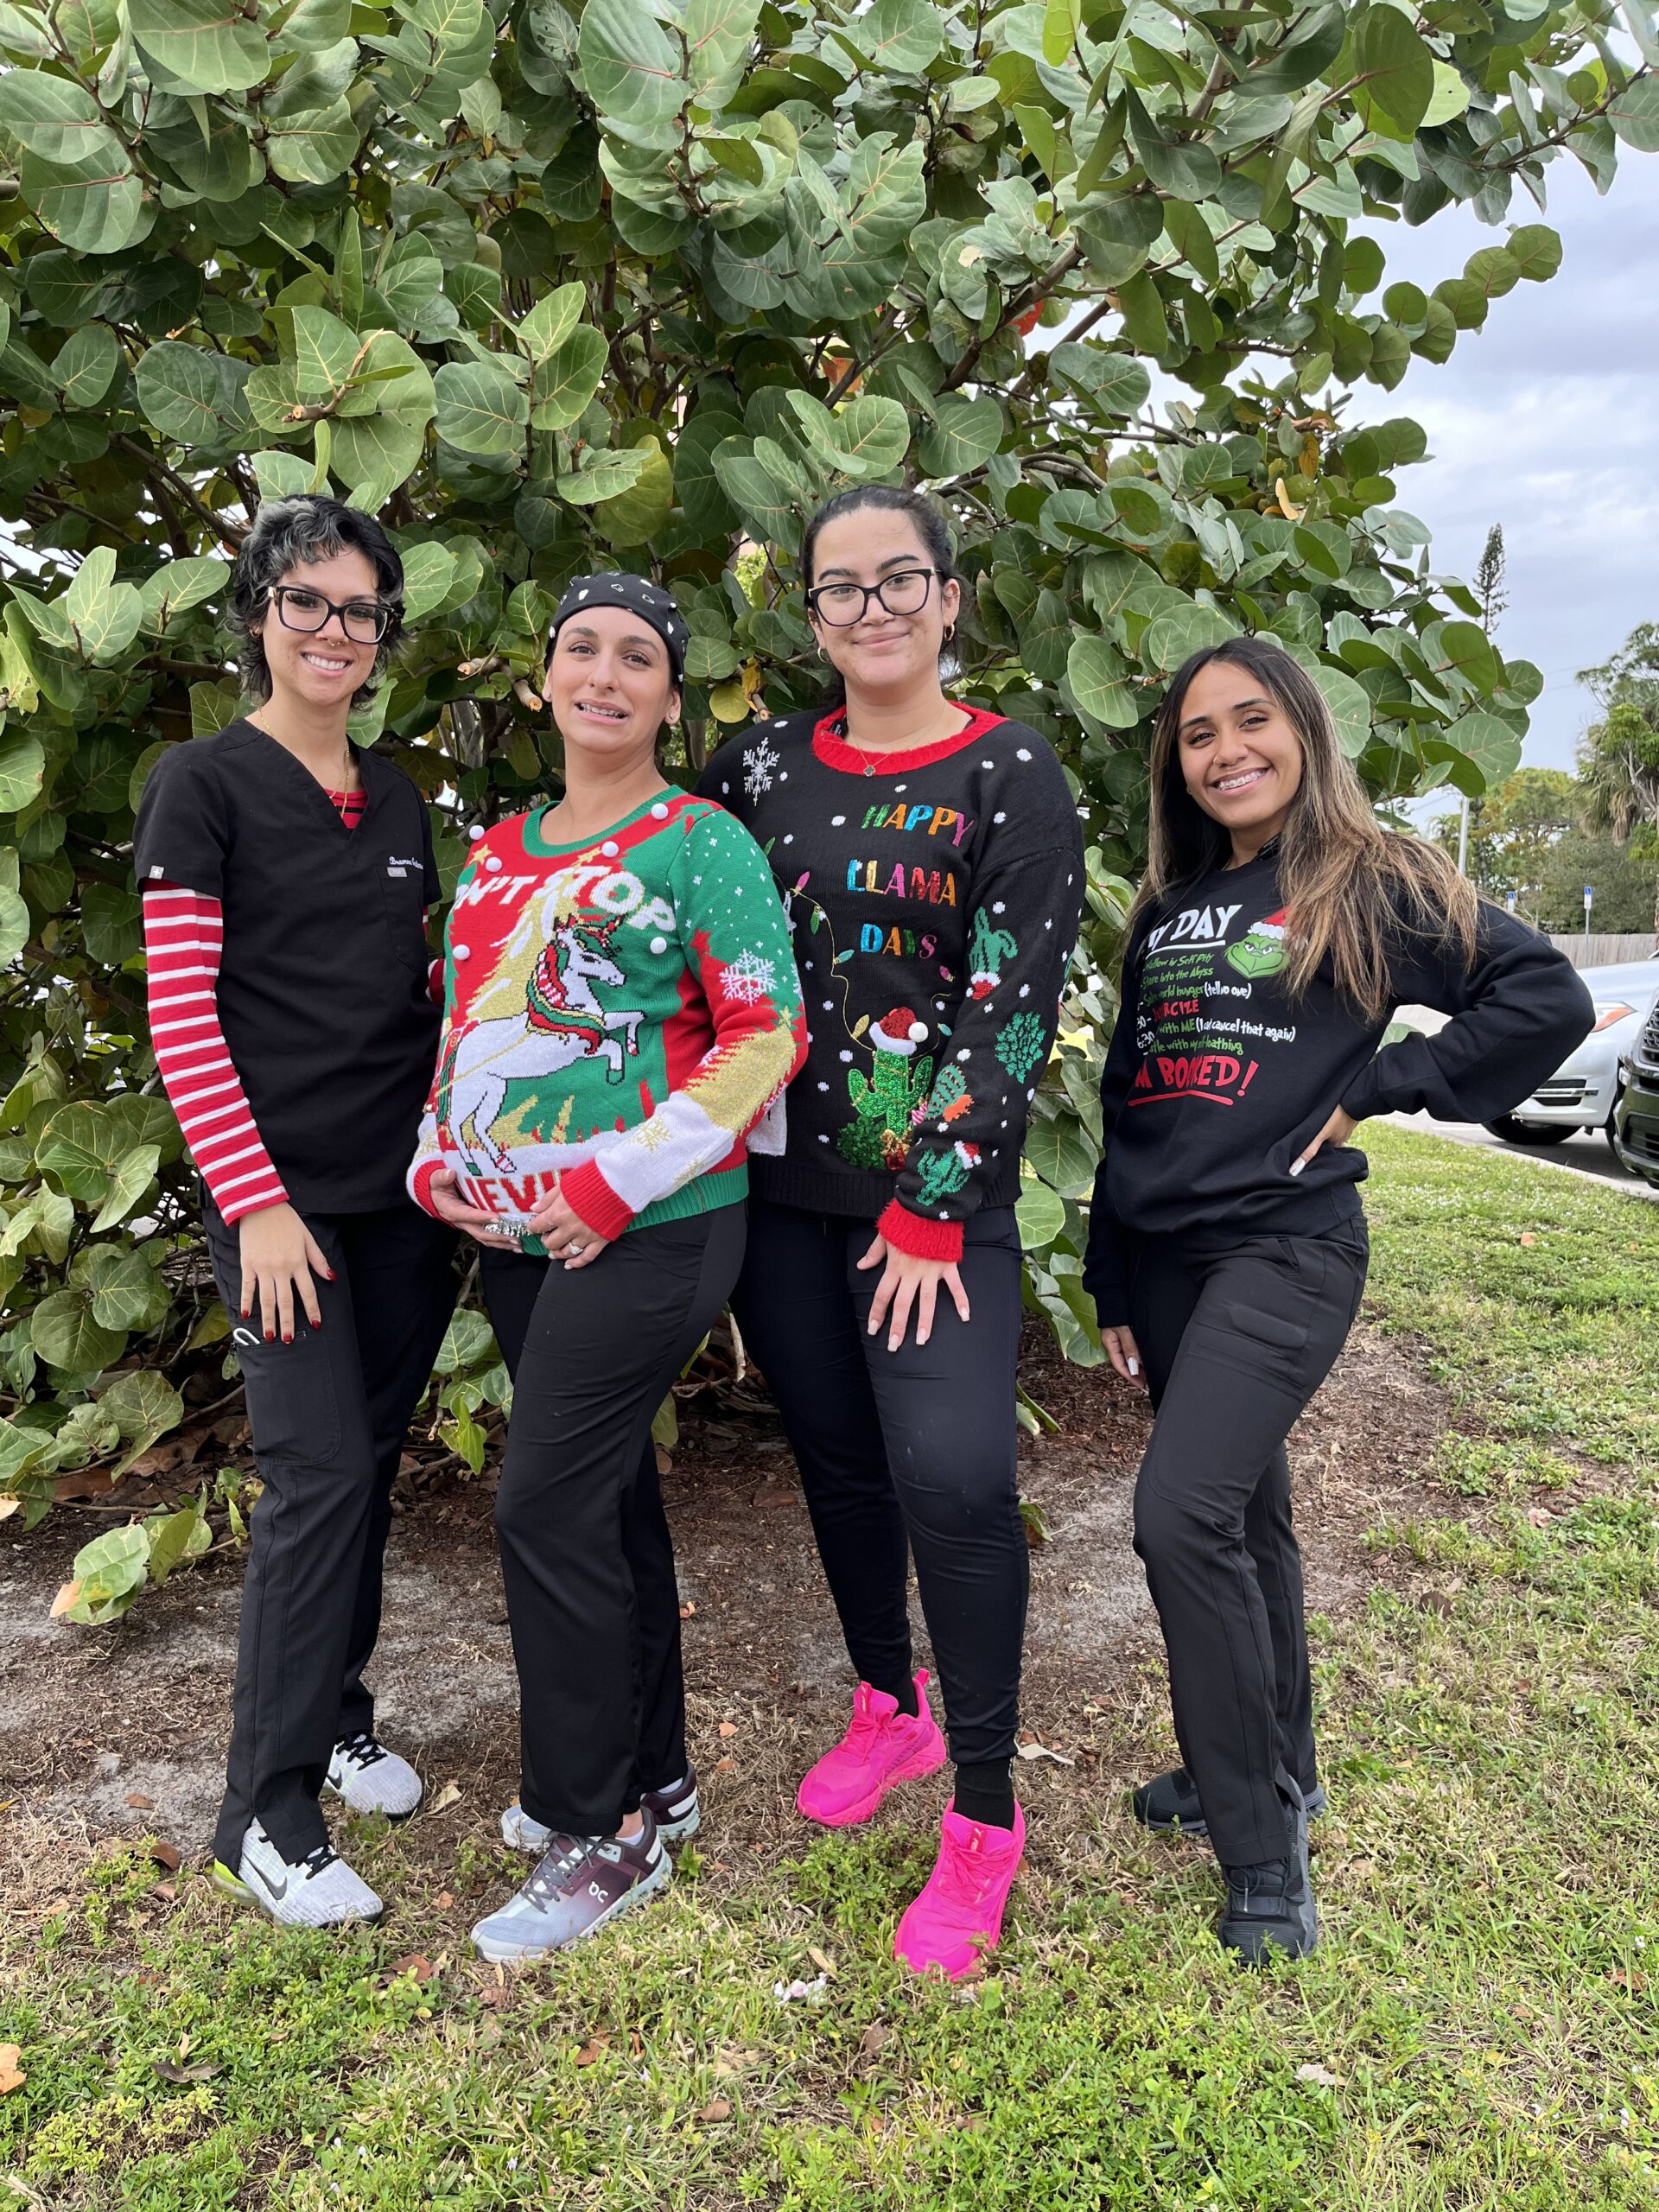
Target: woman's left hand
<point>907,1281</point>
<point>1337,1130</point>
<point>564,1232</point>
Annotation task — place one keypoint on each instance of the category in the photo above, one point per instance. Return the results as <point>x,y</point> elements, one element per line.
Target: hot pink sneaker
<point>882,1746</point>
<point>958,1916</point>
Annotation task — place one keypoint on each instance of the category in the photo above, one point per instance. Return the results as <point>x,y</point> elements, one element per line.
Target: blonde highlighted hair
<point>1348,884</point>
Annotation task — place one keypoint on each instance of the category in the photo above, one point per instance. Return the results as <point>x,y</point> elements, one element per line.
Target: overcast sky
<point>1547,421</point>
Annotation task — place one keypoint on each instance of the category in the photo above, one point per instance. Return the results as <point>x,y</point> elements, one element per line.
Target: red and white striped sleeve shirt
<point>184,935</point>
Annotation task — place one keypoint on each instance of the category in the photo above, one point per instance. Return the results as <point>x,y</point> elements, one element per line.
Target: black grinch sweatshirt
<point>1216,1081</point>
<point>934,897</point>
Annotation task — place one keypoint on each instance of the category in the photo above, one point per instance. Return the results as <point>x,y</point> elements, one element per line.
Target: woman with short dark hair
<point>1278,926</point>
<point>285,876</point>
<point>931,858</point>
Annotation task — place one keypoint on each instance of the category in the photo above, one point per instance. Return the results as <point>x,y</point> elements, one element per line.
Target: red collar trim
<point>830,743</point>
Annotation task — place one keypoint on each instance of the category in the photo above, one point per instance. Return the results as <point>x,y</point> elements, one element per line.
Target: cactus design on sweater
<point>887,1102</point>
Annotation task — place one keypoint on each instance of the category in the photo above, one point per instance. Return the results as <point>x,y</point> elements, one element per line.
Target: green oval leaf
<point>567,379</point>
<point>64,1335</point>
<point>481,408</point>
<point>206,44</point>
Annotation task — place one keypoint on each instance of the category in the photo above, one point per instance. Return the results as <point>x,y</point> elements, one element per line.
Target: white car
<point>1584,1091</point>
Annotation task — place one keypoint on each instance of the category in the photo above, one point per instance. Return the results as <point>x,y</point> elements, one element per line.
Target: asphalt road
<point>1588,1152</point>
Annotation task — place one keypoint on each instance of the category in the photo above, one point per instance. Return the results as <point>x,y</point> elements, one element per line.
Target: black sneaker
<point>1171,1800</point>
<point>1270,1908</point>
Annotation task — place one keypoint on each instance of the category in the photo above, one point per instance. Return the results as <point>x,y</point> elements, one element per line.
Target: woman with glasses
<point>930,855</point>
<point>285,877</point>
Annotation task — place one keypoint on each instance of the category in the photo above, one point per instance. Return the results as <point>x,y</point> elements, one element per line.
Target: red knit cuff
<point>232,1210</point>
<point>922,1240</point>
<point>434,982</point>
<point>420,1185</point>
<point>591,1197</point>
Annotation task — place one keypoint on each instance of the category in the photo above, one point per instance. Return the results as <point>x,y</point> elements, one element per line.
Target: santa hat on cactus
<point>968,1153</point>
<point>899,1032</point>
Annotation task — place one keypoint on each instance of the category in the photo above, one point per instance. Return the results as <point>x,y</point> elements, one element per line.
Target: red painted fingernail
<point>271,1336</point>
<point>287,1340</point>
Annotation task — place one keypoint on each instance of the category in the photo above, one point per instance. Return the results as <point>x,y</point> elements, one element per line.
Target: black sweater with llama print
<point>934,896</point>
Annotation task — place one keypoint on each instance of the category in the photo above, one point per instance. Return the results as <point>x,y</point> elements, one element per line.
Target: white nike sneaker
<point>320,1890</point>
<point>675,1811</point>
<point>372,1779</point>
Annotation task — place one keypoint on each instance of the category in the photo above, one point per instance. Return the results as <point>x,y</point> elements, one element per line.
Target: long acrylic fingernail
<point>1134,1367</point>
<point>1297,1165</point>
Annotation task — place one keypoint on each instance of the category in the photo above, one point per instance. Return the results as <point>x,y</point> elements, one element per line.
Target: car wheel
<point>1514,1132</point>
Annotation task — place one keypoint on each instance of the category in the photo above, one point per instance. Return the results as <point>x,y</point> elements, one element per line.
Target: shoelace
<point>964,1878</point>
<point>363,1749</point>
<point>318,1861</point>
<point>577,1851</point>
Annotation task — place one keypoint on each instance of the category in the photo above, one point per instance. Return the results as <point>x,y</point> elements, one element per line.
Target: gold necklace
<point>910,745</point>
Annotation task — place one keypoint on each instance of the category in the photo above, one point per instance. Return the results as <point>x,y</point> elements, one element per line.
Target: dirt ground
<point>92,1719</point>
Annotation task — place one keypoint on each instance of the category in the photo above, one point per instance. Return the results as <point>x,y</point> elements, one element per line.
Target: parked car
<point>1636,1122</point>
<point>1584,1092</point>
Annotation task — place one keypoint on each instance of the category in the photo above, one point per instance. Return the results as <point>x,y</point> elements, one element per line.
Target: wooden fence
<point>1603,951</point>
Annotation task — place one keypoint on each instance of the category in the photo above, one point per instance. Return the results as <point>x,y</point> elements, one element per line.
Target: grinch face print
<point>1207,1016</point>
<point>1260,950</point>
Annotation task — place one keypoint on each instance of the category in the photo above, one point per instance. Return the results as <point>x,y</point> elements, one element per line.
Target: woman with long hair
<point>621,1009</point>
<point>931,858</point>
<point>285,875</point>
<point>1278,926</point>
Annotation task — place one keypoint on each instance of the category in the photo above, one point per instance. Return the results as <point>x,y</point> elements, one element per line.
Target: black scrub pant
<point>328,1414</point>
<point>904,1452</point>
<point>586,1554</point>
<point>1236,1344</point>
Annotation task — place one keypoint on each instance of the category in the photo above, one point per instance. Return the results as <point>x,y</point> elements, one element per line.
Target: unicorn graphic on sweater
<point>562,1021</point>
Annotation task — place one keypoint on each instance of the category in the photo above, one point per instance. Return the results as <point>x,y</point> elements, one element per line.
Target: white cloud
<point>1548,421</point>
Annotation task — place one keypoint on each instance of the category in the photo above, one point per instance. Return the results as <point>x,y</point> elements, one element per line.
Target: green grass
<point>1481,2015</point>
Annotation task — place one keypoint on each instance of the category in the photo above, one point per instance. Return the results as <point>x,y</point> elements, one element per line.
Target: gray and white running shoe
<point>581,1882</point>
<point>371,1779</point>
<point>320,1890</point>
<point>675,1811</point>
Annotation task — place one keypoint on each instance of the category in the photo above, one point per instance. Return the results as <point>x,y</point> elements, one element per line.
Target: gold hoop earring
<point>949,631</point>
<point>822,654</point>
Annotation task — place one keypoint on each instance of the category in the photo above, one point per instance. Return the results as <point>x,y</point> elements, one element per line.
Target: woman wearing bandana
<point>621,1009</point>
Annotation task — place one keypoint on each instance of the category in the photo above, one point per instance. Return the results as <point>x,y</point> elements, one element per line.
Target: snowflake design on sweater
<point>759,762</point>
<point>748,979</point>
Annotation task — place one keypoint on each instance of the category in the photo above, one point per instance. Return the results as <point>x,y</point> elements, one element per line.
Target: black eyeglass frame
<point>870,591</point>
<point>278,594</point>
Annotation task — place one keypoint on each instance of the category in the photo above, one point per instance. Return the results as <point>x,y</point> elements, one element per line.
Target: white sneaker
<point>677,1812</point>
<point>372,1779</point>
<point>320,1890</point>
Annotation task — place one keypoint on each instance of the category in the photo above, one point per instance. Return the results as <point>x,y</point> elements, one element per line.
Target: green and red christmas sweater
<point>934,895</point>
<point>618,1014</point>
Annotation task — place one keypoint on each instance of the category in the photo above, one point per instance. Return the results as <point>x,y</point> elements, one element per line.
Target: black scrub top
<point>323,984</point>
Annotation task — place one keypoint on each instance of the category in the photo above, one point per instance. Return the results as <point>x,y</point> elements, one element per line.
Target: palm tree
<point>1618,756</point>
